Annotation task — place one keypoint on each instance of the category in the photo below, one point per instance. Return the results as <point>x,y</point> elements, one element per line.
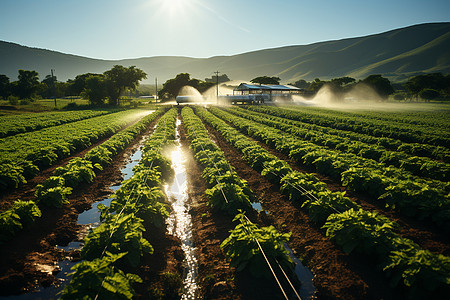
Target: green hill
<point>397,54</point>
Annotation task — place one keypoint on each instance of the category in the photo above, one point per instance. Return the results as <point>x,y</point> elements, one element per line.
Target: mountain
<point>397,54</point>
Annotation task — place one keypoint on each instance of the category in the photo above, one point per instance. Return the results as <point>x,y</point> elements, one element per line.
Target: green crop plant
<point>100,278</point>
<point>53,192</point>
<point>243,247</point>
<point>120,234</point>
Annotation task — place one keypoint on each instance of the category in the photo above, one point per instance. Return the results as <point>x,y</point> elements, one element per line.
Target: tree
<point>266,80</point>
<point>203,86</point>
<point>95,90</point>
<point>316,85</point>
<point>380,84</point>
<point>5,88</point>
<point>50,86</point>
<point>28,84</point>
<point>435,81</point>
<point>172,87</point>
<point>302,84</point>
<point>343,81</point>
<point>429,94</point>
<point>76,86</point>
<point>120,78</point>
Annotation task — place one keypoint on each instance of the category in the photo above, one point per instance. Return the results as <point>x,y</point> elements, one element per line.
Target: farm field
<point>226,202</point>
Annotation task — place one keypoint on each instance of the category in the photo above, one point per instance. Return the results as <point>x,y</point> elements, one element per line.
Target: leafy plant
<point>100,278</point>
<point>362,231</point>
<point>241,247</point>
<point>53,192</point>
<point>121,234</point>
<point>18,216</point>
<point>9,225</point>
<point>27,211</point>
<point>421,270</point>
<point>78,170</point>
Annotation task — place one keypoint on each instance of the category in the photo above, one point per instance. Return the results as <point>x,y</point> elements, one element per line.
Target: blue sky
<point>118,29</point>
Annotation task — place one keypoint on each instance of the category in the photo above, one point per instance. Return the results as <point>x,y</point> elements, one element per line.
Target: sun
<point>175,7</point>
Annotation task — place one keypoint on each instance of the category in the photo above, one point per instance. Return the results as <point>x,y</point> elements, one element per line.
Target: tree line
<point>426,86</point>
<point>106,88</point>
<point>99,89</point>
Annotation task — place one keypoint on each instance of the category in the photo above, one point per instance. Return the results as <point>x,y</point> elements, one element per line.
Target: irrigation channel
<point>179,222</point>
<point>89,219</point>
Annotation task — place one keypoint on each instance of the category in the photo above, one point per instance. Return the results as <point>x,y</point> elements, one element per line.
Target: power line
<point>217,86</point>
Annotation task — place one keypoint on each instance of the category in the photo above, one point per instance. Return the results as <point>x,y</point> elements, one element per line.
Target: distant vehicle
<point>189,99</point>
<point>244,99</point>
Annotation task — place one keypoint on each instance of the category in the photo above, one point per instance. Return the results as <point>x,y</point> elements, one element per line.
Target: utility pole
<point>217,86</point>
<point>53,86</point>
<point>156,87</point>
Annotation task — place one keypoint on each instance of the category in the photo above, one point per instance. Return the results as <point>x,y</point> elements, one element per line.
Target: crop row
<point>418,198</point>
<point>404,132</point>
<point>53,192</point>
<point>118,243</point>
<point>218,174</point>
<point>11,125</point>
<point>23,155</point>
<point>420,166</point>
<point>388,137</point>
<point>230,194</point>
<point>351,227</point>
<point>423,120</point>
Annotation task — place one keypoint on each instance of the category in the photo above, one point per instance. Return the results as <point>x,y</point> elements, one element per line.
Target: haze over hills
<point>397,54</point>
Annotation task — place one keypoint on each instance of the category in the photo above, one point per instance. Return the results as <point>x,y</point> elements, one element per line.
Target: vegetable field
<point>359,200</point>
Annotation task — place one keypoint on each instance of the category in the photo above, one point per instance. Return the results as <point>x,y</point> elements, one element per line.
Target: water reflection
<point>179,222</point>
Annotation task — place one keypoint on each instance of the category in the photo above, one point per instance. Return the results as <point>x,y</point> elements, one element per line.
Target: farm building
<point>250,94</point>
<point>274,92</point>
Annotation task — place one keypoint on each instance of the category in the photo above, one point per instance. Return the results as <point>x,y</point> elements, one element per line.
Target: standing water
<point>90,218</point>
<point>179,222</point>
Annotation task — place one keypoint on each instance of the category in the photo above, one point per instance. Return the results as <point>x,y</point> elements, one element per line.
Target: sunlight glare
<point>175,7</point>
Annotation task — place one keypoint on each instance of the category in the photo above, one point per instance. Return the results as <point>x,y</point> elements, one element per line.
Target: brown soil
<point>215,275</point>
<point>30,259</point>
<point>217,279</point>
<point>337,275</point>
<point>26,192</point>
<point>423,233</point>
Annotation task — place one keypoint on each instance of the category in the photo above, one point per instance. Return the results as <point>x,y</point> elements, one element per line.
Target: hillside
<point>396,54</point>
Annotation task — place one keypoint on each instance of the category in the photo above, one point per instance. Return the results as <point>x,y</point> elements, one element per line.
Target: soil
<point>424,233</point>
<point>337,275</point>
<point>26,191</point>
<point>217,279</point>
<point>30,259</point>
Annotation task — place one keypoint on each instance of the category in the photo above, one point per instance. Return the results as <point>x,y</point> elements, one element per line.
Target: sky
<point>120,29</point>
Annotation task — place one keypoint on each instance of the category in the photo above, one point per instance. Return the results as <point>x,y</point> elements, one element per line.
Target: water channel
<point>179,222</point>
<point>91,219</point>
